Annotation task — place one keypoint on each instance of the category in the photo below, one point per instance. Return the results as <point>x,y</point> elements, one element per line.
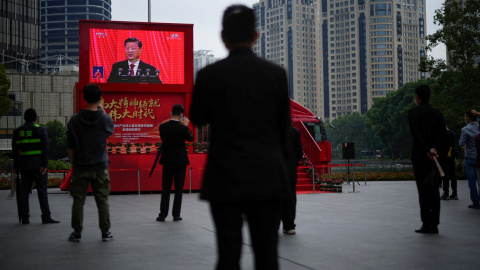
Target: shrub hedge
<point>6,184</point>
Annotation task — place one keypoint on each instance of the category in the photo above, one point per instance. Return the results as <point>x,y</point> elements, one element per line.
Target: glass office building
<point>59,29</point>
<point>19,34</point>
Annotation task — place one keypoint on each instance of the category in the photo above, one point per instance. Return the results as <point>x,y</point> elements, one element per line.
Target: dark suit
<point>245,100</point>
<point>448,163</point>
<point>288,208</point>
<point>119,73</point>
<point>427,127</point>
<point>174,160</point>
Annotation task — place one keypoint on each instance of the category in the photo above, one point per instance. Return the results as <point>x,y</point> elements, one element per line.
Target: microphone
<point>130,71</point>
<point>138,71</point>
<point>157,72</point>
<point>147,72</point>
<point>120,71</point>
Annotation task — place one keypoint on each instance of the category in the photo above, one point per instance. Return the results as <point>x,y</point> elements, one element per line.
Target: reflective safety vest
<point>28,141</point>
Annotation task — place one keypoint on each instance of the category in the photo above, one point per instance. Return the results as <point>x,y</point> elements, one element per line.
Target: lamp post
<point>149,10</point>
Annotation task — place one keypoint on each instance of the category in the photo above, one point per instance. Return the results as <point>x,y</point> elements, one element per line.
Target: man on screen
<point>133,70</point>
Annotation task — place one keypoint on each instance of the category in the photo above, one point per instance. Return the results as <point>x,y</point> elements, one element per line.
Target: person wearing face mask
<point>427,126</point>
<point>133,70</point>
<point>467,142</point>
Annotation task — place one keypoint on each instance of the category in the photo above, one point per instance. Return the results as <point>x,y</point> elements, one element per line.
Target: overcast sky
<point>206,16</point>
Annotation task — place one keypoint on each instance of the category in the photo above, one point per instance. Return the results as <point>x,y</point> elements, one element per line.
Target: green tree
<point>6,163</point>
<point>388,119</point>
<point>456,88</point>
<point>447,96</point>
<point>57,138</point>
<point>460,32</point>
<point>5,102</point>
<point>352,128</point>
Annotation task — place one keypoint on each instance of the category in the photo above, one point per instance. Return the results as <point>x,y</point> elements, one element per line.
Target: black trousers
<point>262,217</point>
<point>428,194</point>
<point>289,208</point>
<point>175,175</point>
<point>449,169</point>
<point>41,181</point>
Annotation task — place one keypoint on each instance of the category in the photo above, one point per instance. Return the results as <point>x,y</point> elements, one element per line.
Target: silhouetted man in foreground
<point>427,126</point>
<point>245,100</point>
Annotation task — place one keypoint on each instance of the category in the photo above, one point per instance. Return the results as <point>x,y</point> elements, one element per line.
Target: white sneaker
<point>292,231</point>
<point>106,237</point>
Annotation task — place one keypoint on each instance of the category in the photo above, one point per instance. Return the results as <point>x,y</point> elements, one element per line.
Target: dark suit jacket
<point>173,135</point>
<point>141,77</point>
<point>427,126</point>
<point>450,140</point>
<point>245,100</point>
<point>296,153</point>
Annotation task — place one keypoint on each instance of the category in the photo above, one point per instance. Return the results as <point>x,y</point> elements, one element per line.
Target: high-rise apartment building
<point>19,34</point>
<point>289,36</point>
<point>340,55</point>
<point>201,59</point>
<point>59,32</point>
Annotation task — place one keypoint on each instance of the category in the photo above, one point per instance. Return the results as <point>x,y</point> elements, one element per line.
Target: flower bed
<point>5,183</point>
<point>336,178</point>
<point>377,176</point>
<point>339,178</point>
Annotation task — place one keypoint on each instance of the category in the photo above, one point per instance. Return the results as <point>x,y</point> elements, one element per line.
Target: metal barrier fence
<point>328,168</point>
<point>11,175</point>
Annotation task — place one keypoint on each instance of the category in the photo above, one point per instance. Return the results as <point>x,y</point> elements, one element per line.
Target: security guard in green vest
<point>30,158</point>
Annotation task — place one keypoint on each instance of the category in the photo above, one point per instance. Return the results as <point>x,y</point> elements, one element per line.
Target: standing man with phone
<point>174,159</point>
<point>87,135</point>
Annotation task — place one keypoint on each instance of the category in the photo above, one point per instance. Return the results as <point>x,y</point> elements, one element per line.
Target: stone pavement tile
<point>371,229</point>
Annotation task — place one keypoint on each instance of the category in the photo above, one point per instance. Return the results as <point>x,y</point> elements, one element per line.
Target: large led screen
<point>143,69</point>
<point>136,56</point>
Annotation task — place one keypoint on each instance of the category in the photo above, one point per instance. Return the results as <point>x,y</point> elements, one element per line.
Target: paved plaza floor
<point>371,229</point>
